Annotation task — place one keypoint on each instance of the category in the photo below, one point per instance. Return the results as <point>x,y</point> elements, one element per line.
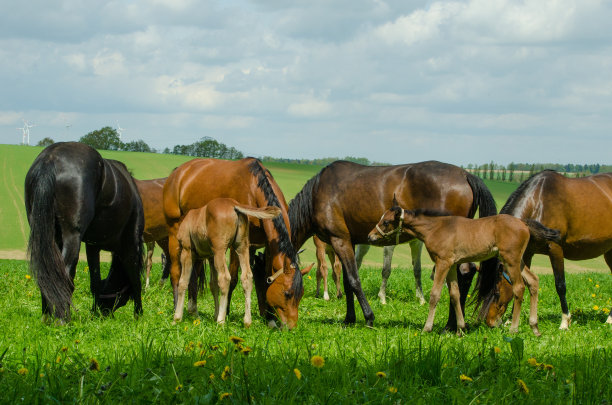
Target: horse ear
<point>395,203</point>
<point>306,270</point>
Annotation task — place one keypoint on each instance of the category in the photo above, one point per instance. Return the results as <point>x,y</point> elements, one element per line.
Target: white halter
<point>397,230</point>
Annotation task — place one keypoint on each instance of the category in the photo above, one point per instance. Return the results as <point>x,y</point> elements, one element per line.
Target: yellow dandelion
<point>196,322</point>
<point>317,361</point>
<point>381,374</point>
<point>548,366</point>
<point>86,269</point>
<point>593,295</point>
<point>532,362</point>
<point>224,395</point>
<point>77,341</point>
<point>160,312</point>
<point>64,349</point>
<point>236,340</point>
<point>178,387</point>
<point>94,365</point>
<point>465,378</point>
<point>522,386</point>
<point>214,347</point>
<point>202,352</point>
<point>186,328</point>
<point>226,373</point>
<point>497,350</point>
<point>605,310</point>
<point>28,277</point>
<point>298,373</point>
<point>211,376</point>
<point>590,279</point>
<point>596,308</point>
<point>58,359</point>
<point>309,278</point>
<point>200,363</point>
<point>392,390</point>
<point>22,371</point>
<point>596,285</point>
<point>42,375</point>
<point>245,350</point>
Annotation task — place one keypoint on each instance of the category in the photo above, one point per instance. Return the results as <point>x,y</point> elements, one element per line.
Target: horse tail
<point>540,234</point>
<point>46,261</point>
<point>267,212</point>
<point>487,276</point>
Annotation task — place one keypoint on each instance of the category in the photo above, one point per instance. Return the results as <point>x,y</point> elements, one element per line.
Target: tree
<point>105,138</point>
<point>137,146</point>
<point>45,142</point>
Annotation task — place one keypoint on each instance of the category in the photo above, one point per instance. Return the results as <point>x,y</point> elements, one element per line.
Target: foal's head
<point>498,302</point>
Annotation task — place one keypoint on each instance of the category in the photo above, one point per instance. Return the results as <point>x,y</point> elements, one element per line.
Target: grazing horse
<point>343,202</point>
<point>73,195</point>
<point>580,208</point>
<point>155,229</point>
<point>197,182</point>
<point>323,249</point>
<point>452,240</point>
<point>208,232</point>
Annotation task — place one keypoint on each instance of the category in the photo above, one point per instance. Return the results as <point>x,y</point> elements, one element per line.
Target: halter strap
<point>114,295</point>
<point>397,230</point>
<point>274,276</point>
<point>506,276</point>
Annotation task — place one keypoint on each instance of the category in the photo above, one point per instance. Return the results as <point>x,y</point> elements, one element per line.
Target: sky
<point>392,81</point>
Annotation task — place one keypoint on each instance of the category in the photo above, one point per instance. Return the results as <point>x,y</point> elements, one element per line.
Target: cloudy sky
<point>393,81</point>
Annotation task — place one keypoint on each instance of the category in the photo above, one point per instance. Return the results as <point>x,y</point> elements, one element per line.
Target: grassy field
<point>119,359</point>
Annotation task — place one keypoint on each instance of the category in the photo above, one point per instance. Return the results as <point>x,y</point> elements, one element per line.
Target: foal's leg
<point>442,269</point>
<point>518,289</point>
<point>214,285</point>
<point>556,260</point>
<point>351,281</point>
<point>608,258</point>
<point>321,272</point>
<point>455,298</point>
<point>186,264</point>
<point>163,244</point>
<point>149,261</point>
<point>336,272</point>
<point>416,247</point>
<point>223,281</point>
<point>533,283</point>
<point>246,279</point>
<point>386,272</point>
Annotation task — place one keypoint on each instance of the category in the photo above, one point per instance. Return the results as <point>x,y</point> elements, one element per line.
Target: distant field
<point>15,161</point>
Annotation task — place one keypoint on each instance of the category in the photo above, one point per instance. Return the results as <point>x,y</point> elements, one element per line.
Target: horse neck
<point>421,226</point>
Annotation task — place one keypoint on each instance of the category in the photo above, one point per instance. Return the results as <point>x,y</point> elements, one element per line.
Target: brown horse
<point>197,182</point>
<point>580,208</point>
<point>344,201</point>
<point>208,232</point>
<point>155,228</point>
<point>323,249</point>
<point>452,240</point>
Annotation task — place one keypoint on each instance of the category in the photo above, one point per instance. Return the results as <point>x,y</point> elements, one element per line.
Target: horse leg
<point>416,247</point>
<point>360,252</point>
<point>71,245</point>
<point>518,290</point>
<point>455,301</point>
<point>336,274</point>
<point>246,280</point>
<point>193,287</point>
<point>555,253</point>
<point>465,275</point>
<point>149,261</point>
<point>533,284</point>
<point>321,273</point>
<point>608,258</point>
<point>165,259</point>
<point>442,269</point>
<point>187,265</point>
<point>223,281</point>
<point>95,281</point>
<point>175,260</point>
<point>386,272</point>
<point>233,269</point>
<point>352,283</point>
<point>214,285</point>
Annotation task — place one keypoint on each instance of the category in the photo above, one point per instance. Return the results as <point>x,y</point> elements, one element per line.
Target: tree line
<point>107,138</point>
<point>517,172</point>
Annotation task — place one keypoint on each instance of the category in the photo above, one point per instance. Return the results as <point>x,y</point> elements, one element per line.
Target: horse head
<point>499,300</point>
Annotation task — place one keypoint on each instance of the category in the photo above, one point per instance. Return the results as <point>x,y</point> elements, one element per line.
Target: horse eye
<point>288,294</point>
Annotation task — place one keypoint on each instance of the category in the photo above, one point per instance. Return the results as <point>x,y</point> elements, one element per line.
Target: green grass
<point>151,360</point>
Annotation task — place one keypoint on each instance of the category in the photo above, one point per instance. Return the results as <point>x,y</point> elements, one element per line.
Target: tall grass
<point>119,359</point>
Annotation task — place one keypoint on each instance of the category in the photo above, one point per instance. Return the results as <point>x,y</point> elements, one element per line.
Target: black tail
<point>487,276</point>
<point>46,261</point>
<point>539,234</point>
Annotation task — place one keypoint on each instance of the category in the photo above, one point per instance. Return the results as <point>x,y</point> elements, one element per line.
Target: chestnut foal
<point>208,232</point>
<point>452,240</point>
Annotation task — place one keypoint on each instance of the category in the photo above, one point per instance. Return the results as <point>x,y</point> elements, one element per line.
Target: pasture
<point>118,359</point>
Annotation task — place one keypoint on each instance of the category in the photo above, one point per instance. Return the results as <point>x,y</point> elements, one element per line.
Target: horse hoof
<point>326,296</point>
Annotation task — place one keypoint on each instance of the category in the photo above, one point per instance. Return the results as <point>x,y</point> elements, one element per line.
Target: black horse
<point>73,195</point>
<point>345,200</point>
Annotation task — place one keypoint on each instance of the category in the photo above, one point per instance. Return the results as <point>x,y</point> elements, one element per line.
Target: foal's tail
<point>540,235</point>
<point>46,261</point>
<point>267,212</point>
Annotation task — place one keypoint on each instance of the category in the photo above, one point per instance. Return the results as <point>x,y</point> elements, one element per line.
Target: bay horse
<point>155,228</point>
<point>580,208</point>
<point>208,232</point>
<point>197,182</point>
<point>73,195</point>
<point>452,240</point>
<point>322,249</point>
<point>343,202</point>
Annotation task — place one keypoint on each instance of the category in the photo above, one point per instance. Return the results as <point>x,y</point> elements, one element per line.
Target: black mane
<point>429,212</point>
<point>285,246</point>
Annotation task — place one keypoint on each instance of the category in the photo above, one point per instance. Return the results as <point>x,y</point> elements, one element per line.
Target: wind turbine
<point>25,130</point>
<point>119,129</point>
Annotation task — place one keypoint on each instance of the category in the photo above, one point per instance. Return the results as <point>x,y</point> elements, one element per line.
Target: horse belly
<point>586,249</point>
